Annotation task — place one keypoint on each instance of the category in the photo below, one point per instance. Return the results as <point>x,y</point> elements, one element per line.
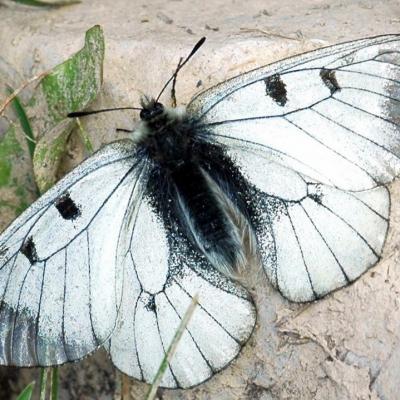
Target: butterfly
<point>293,158</point>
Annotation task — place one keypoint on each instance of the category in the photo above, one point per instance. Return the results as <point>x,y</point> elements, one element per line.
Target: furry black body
<point>193,182</point>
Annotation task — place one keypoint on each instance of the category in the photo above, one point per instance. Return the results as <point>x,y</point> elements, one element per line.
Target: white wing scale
<point>59,296</point>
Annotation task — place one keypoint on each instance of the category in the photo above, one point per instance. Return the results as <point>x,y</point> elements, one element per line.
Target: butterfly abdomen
<point>204,218</point>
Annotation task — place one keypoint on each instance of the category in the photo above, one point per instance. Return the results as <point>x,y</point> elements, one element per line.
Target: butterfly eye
<point>145,114</point>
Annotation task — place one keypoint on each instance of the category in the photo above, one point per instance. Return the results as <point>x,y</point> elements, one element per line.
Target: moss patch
<point>74,83</point>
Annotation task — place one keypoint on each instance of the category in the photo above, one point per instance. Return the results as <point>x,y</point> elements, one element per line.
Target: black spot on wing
<point>328,76</point>
<point>28,249</point>
<point>67,207</point>
<point>276,88</point>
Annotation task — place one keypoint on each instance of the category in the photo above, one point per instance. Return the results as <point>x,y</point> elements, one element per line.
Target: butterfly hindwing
<point>162,275</point>
<point>59,293</point>
<point>313,238</point>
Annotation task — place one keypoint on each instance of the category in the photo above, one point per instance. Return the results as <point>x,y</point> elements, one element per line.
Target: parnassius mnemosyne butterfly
<point>295,157</point>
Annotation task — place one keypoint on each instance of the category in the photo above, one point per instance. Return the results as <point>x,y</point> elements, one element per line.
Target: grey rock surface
<point>346,346</point>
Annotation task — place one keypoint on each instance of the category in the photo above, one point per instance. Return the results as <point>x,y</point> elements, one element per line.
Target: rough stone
<point>346,346</point>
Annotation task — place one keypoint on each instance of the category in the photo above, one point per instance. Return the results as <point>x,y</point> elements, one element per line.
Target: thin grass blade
<point>172,348</point>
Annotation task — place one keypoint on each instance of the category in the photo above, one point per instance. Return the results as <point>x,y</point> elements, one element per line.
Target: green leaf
<point>9,148</point>
<point>26,394</point>
<point>17,188</point>
<point>69,87</point>
<point>39,3</point>
<point>72,85</point>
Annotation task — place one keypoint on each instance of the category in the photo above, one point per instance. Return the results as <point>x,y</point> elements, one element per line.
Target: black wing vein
<point>190,333</point>
<point>354,132</point>
<point>207,312</point>
<point>90,289</point>
<point>354,230</point>
<point>163,346</point>
<point>327,245</point>
<point>301,252</point>
<point>367,112</point>
<point>38,312</point>
<point>329,148</point>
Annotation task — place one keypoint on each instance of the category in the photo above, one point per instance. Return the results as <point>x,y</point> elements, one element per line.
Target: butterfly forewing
<point>383,48</point>
<point>340,106</point>
<point>60,280</point>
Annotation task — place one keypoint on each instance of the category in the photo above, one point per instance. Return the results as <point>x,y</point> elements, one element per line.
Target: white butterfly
<point>297,153</point>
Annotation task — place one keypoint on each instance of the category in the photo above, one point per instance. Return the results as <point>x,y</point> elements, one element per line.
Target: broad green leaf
<point>72,85</point>
<point>17,188</point>
<point>69,87</point>
<point>39,3</point>
<point>26,394</point>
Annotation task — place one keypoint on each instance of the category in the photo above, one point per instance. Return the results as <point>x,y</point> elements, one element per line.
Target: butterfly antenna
<point>83,113</point>
<point>180,65</point>
<point>173,91</point>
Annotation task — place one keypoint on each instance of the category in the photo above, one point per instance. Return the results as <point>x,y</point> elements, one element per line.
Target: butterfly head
<point>155,119</point>
<point>151,110</point>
